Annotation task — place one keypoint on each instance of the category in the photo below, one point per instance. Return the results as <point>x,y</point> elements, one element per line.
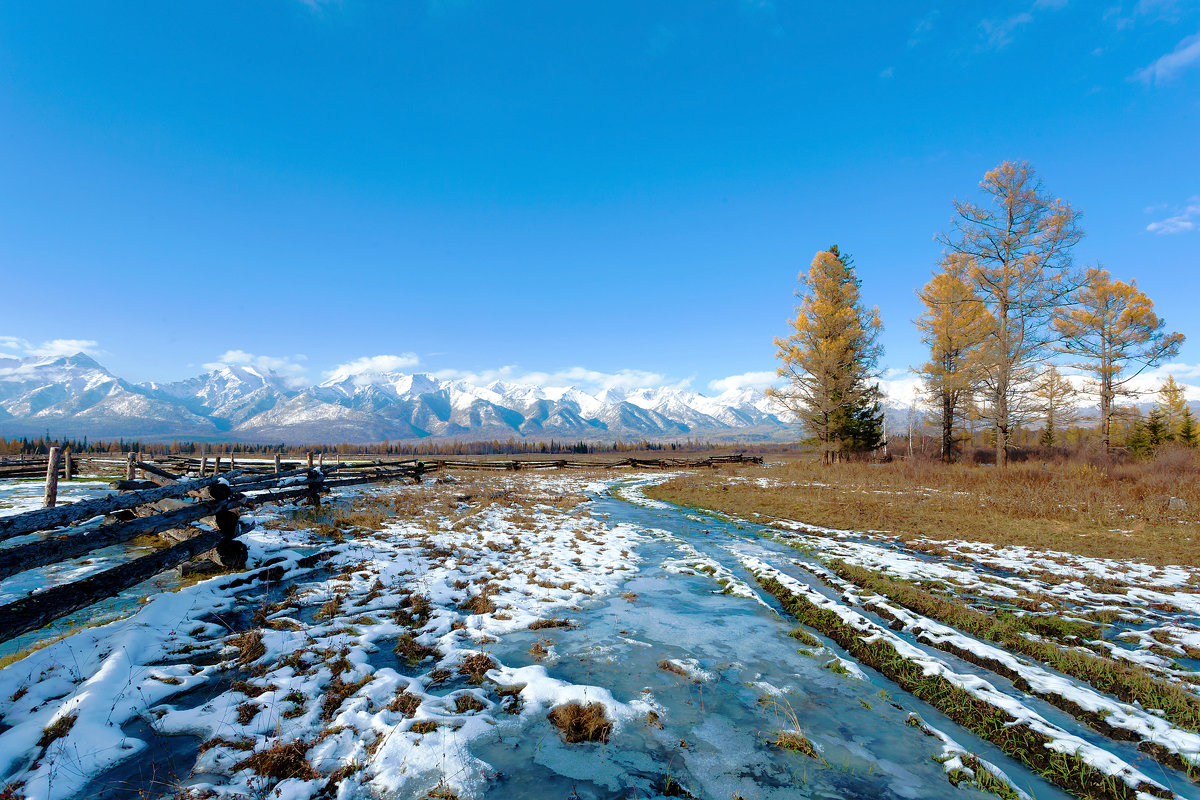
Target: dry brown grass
<point>465,703</point>
<point>541,648</point>
<point>405,703</point>
<point>250,646</point>
<point>667,666</point>
<point>281,762</point>
<point>475,666</point>
<point>56,730</point>
<point>413,651</point>
<point>580,723</point>
<point>552,622</point>
<point>336,694</point>
<point>1074,507</point>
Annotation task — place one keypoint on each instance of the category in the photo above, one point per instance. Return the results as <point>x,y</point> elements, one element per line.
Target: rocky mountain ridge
<point>76,396</point>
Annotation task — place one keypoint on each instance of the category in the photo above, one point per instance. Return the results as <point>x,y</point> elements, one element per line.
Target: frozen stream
<point>737,679</point>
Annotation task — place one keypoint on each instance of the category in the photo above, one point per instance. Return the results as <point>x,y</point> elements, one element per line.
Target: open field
<point>570,634</point>
<point>1072,507</point>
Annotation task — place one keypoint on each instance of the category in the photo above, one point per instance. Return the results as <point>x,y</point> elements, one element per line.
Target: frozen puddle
<point>426,655</point>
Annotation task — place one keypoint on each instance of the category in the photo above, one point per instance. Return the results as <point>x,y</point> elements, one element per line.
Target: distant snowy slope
<point>74,396</point>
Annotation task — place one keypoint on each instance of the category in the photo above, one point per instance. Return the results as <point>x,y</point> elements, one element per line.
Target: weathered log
<point>31,613</point>
<point>306,490</point>
<point>68,465</point>
<point>159,472</point>
<point>231,553</point>
<point>51,494</point>
<point>134,485</point>
<point>216,491</point>
<point>47,518</point>
<point>269,478</point>
<point>70,545</point>
<point>224,520</point>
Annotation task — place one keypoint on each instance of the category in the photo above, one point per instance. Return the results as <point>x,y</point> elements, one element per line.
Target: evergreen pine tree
<point>1155,429</point>
<point>859,428</point>
<point>1187,434</point>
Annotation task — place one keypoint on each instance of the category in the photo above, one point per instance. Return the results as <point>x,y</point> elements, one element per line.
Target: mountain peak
<point>77,396</point>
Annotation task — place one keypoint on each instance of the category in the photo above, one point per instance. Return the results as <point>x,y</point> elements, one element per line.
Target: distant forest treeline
<point>42,444</point>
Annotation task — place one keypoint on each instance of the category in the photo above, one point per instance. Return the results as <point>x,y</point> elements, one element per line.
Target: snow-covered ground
<point>415,641</point>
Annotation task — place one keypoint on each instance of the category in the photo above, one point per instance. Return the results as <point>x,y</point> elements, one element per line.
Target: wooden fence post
<point>129,459</point>
<point>141,472</point>
<point>310,459</point>
<point>68,465</point>
<point>217,465</point>
<point>277,462</point>
<point>203,464</point>
<point>51,496</point>
<point>232,463</point>
<point>321,460</point>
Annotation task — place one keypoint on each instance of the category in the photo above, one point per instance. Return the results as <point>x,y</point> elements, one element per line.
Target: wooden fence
<point>165,504</point>
<point>170,496</point>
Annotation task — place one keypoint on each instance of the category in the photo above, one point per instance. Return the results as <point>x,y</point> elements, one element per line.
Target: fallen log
<point>162,473</point>
<point>71,545</point>
<point>35,611</point>
<point>46,518</point>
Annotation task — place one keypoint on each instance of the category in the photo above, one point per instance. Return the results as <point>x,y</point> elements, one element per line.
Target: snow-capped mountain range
<point>75,396</point>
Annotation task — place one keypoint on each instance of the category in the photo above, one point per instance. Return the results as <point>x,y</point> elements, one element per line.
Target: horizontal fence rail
<point>195,504</point>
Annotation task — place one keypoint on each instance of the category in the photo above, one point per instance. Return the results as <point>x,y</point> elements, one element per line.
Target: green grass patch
<point>1128,682</point>
<point>985,720</point>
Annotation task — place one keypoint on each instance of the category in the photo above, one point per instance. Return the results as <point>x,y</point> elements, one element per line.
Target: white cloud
<point>373,365</point>
<point>901,388</point>
<point>747,380</point>
<point>62,347</point>
<point>15,346</point>
<point>283,366</point>
<point>999,33</point>
<point>1149,382</point>
<point>1166,67</point>
<point>923,27</point>
<point>580,377</point>
<point>1184,221</point>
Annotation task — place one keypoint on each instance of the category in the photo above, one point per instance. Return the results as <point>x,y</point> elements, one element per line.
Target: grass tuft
<point>281,762</point>
<point>476,666</point>
<point>250,647</point>
<point>580,723</point>
<point>56,730</point>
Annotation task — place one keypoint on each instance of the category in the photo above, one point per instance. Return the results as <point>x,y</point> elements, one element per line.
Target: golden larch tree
<point>831,356</point>
<point>953,326</point>
<point>1113,332</point>
<point>1019,247</point>
<point>1172,407</point>
<point>1056,396</point>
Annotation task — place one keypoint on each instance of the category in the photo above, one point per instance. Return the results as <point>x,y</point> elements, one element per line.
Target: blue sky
<point>618,191</point>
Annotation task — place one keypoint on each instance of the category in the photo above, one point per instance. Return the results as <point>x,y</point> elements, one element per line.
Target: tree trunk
<point>947,428</point>
<point>1106,401</point>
